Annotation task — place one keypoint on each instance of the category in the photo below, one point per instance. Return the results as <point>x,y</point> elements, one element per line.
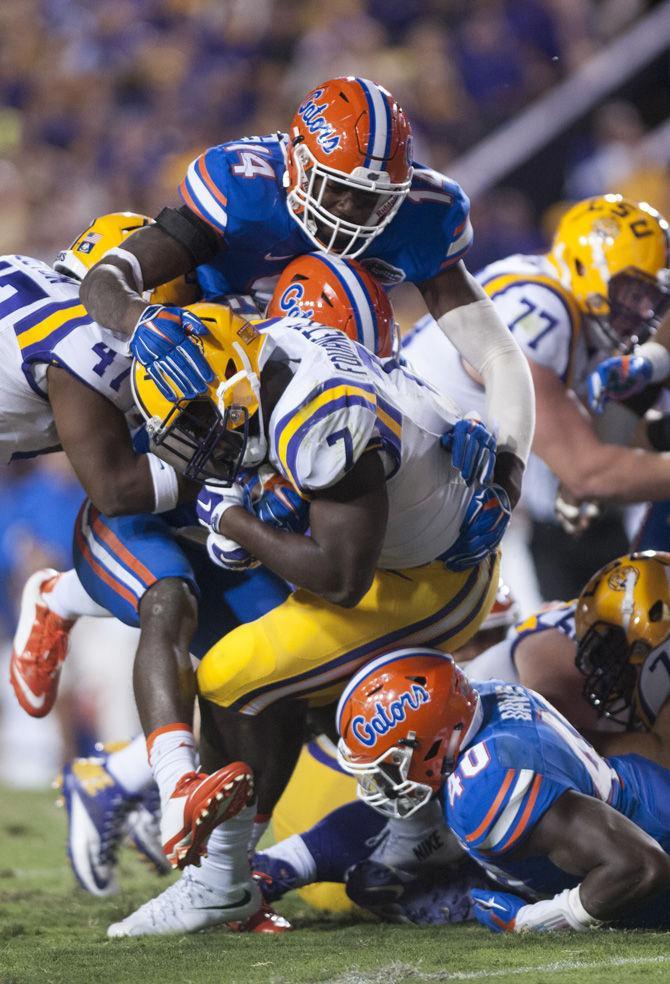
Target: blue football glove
<point>496,910</point>
<point>473,450</point>
<point>486,520</point>
<point>229,555</point>
<point>213,500</point>
<point>161,343</point>
<point>274,500</point>
<point>617,379</point>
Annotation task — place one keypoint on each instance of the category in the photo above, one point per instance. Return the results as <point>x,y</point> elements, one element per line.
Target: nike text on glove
<point>163,342</point>
<point>617,379</point>
<point>274,500</point>
<point>228,554</point>
<point>213,500</point>
<point>473,450</point>
<point>486,520</point>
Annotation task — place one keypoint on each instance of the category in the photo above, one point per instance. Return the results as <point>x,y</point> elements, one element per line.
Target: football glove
<point>617,379</point>
<point>274,500</point>
<point>486,519</point>
<point>229,555</point>
<point>160,341</point>
<point>213,500</point>
<point>496,910</point>
<point>473,450</point>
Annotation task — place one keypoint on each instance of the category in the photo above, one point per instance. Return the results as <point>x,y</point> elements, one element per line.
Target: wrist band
<point>166,486</point>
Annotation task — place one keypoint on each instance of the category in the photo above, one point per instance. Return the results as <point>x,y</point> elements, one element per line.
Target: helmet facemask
<point>604,656</point>
<point>637,303</point>
<point>325,229</point>
<point>384,782</point>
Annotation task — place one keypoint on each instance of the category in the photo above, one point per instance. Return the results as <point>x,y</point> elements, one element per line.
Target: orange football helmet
<point>402,721</point>
<point>349,135</point>
<point>621,617</point>
<point>339,294</point>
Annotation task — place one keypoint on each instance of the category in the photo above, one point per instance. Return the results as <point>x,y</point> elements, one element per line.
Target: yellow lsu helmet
<point>612,255</point>
<point>212,436</point>
<point>622,615</point>
<point>107,232</point>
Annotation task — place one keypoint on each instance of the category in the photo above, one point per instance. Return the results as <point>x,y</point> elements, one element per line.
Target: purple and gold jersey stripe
<point>292,429</point>
<point>40,331</point>
<point>203,196</point>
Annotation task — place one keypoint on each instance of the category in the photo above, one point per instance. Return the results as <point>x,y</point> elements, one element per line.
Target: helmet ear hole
<point>579,267</point>
<point>230,369</point>
<point>432,751</point>
<point>656,611</point>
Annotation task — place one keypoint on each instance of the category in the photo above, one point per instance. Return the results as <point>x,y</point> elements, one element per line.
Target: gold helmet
<point>212,436</point>
<point>622,615</point>
<point>105,233</point>
<point>612,255</point>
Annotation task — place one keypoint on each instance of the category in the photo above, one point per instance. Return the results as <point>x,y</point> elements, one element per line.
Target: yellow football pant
<point>309,648</point>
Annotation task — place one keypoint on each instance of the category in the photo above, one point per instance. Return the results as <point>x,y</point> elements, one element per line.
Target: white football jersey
<point>43,323</point>
<point>546,322</point>
<point>343,401</point>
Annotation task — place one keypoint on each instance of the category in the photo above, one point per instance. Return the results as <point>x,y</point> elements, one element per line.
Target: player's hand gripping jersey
<point>343,402</point>
<point>42,323</point>
<point>522,759</point>
<point>237,189</point>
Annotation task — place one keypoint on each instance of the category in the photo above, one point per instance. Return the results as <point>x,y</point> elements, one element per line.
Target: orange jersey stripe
<point>523,822</point>
<point>205,175</point>
<point>111,582</point>
<point>186,195</point>
<point>507,782</point>
<point>112,540</point>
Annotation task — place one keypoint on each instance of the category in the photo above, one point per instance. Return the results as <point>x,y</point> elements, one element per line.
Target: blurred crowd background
<point>103,105</point>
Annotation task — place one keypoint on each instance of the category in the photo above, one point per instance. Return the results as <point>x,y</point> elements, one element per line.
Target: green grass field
<point>51,931</point>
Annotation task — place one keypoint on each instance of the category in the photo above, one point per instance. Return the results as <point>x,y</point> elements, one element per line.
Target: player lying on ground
<point>579,839</point>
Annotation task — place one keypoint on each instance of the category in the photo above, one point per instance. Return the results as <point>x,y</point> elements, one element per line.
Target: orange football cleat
<point>199,803</point>
<point>40,647</point>
<point>266,920</point>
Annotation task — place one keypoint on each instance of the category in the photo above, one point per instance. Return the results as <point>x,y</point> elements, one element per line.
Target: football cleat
<point>39,648</point>
<point>199,803</point>
<point>428,899</point>
<point>97,809</point>
<point>266,920</point>
<point>188,906</point>
<point>275,876</point>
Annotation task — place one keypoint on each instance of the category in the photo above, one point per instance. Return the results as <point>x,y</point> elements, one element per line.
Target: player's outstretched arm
<point>94,435</point>
<point>589,468</point>
<point>471,323</point>
<point>339,557</point>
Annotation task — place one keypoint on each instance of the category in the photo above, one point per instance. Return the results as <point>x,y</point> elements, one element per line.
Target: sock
<point>227,863</point>
<point>295,852</point>
<point>171,754</point>
<point>130,766</point>
<point>261,824</point>
<point>344,837</point>
<point>67,597</point>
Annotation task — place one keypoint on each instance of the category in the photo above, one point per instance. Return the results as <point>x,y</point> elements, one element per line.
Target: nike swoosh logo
<point>278,259</point>
<point>33,699</point>
<point>245,900</point>
<point>206,506</point>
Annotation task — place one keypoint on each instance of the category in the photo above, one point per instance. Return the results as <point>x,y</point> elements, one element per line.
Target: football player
<point>397,538</point>
<point>569,309</point>
<point>578,840</point>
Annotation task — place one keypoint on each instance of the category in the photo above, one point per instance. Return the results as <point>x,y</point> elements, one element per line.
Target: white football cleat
<point>188,906</point>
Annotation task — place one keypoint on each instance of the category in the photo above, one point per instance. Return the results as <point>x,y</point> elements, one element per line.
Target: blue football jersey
<point>237,188</point>
<point>523,758</point>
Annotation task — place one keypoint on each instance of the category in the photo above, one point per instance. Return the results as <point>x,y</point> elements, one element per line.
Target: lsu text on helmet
<point>622,615</point>
<point>211,437</point>
<point>105,233</point>
<point>402,721</point>
<point>349,163</point>
<point>612,255</point>
<point>339,294</point>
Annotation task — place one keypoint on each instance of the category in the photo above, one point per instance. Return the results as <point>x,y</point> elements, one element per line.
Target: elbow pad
<point>484,341</point>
